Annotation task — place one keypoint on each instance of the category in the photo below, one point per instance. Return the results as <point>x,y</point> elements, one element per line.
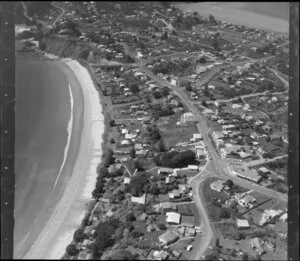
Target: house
<point>138,146</point>
<point>165,171</point>
<point>193,167</point>
<point>141,153</point>
<point>160,255</point>
<point>86,243</point>
<point>189,231</point>
<point>275,137</point>
<point>187,117</point>
<point>217,185</point>
<point>245,173</point>
<point>174,194</point>
<point>254,136</point>
<point>263,170</point>
<point>173,82</point>
<point>246,200</point>
<point>200,153</point>
<point>168,237</point>
<point>242,223</point>
<point>188,221</point>
<point>182,188</point>
<point>150,228</point>
<point>258,123</point>
<point>284,217</point>
<point>236,106</point>
<point>268,215</point>
<point>196,137</point>
<point>181,230</point>
<point>84,255</point>
<point>228,127</point>
<point>173,218</point>
<point>139,200</point>
<point>143,217</point>
<point>255,244</point>
<point>176,253</point>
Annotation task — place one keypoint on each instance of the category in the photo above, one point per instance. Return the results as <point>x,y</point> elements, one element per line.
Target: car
<point>189,247</point>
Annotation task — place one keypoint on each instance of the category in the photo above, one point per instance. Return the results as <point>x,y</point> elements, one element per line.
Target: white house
<point>173,217</point>
<point>187,117</point>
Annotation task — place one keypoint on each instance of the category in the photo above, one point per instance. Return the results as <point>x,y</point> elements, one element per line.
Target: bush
<point>162,226</point>
<point>136,234</point>
<point>84,54</point>
<point>78,235</point>
<point>112,123</point>
<point>71,250</point>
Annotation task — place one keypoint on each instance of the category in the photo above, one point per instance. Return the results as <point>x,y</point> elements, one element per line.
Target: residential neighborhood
<point>194,163</point>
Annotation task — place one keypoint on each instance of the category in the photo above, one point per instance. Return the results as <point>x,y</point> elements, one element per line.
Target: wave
<point>69,129</point>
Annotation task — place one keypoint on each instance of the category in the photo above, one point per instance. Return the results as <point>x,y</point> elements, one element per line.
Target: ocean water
<point>42,116</point>
<point>271,16</point>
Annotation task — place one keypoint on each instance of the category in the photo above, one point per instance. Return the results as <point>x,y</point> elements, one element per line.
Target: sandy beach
<point>67,215</point>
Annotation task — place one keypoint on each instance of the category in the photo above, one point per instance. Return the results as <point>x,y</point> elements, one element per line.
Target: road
<point>60,15</point>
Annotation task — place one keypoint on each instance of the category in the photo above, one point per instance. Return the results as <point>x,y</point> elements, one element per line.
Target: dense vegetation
<point>175,159</point>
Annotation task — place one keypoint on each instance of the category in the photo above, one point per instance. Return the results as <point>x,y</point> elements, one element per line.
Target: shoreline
<point>238,16</point>
<point>58,232</point>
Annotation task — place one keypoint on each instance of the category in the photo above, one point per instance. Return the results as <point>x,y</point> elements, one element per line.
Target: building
<point>240,171</point>
<point>196,137</point>
<point>160,255</point>
<point>217,185</point>
<point>263,170</point>
<point>182,188</point>
<point>246,201</point>
<point>127,181</point>
<point>284,217</point>
<point>200,153</point>
<point>228,127</point>
<point>187,117</point>
<point>189,231</point>
<point>173,218</point>
<point>188,221</point>
<point>267,128</point>
<point>138,146</point>
<point>139,200</point>
<point>255,244</point>
<point>268,215</point>
<point>193,167</point>
<point>242,223</point>
<point>181,230</point>
<point>174,194</point>
<point>168,237</point>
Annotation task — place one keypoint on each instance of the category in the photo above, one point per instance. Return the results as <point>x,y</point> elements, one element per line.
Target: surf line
<point>70,124</point>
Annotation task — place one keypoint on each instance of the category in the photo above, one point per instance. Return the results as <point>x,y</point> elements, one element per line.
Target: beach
<point>60,197</point>
<point>260,15</point>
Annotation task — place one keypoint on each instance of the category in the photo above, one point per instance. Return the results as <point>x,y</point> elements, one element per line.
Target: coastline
<point>237,15</point>
<point>69,211</point>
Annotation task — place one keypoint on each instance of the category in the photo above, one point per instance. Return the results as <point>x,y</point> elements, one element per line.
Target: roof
<point>246,173</point>
<point>242,223</point>
<point>139,200</point>
<point>166,205</point>
<point>264,169</point>
<point>173,217</point>
<point>168,237</point>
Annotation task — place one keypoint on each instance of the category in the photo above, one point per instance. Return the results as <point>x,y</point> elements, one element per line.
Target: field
<point>172,133</point>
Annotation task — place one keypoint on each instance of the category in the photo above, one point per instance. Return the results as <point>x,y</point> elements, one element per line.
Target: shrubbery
<point>71,250</point>
<point>175,159</point>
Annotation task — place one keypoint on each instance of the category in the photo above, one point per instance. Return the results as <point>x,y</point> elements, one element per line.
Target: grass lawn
<point>172,133</point>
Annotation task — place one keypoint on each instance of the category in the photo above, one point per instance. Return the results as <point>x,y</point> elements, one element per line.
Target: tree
<point>84,54</point>
<point>212,19</point>
<point>189,88</point>
<point>138,165</point>
<point>112,123</point>
<point>109,159</point>
<point>130,217</point>
<point>103,172</point>
<point>71,250</point>
<point>229,183</point>
<point>78,235</point>
<point>134,88</point>
<point>245,256</point>
<point>202,60</point>
<point>162,226</point>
